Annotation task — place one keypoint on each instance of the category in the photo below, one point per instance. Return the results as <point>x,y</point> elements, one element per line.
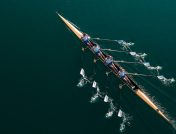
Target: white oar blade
<point>120,113</point>
<point>94,85</point>
<point>161,77</point>
<point>146,64</point>
<point>158,67</point>
<point>172,80</point>
<point>106,98</point>
<point>132,53</point>
<point>82,72</point>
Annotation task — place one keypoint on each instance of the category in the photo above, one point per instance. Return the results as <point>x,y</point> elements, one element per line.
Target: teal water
<point>41,60</point>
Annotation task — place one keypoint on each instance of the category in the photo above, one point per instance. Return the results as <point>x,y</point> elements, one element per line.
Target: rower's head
<point>123,70</point>
<point>95,44</point>
<point>84,34</point>
<point>107,57</point>
<point>110,57</point>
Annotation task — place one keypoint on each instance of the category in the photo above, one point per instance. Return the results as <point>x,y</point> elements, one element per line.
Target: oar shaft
<point>114,50</point>
<point>127,62</point>
<point>141,74</point>
<point>105,39</point>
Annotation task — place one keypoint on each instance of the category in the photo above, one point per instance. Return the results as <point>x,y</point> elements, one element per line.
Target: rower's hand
<point>82,49</point>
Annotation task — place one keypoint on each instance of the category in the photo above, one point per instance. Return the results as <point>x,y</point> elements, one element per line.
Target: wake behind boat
<point>115,68</point>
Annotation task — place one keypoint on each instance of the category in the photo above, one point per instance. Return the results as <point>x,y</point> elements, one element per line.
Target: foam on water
<point>94,98</point>
<point>125,122</point>
<point>82,82</point>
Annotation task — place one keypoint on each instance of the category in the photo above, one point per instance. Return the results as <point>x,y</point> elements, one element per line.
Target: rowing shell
<point>137,91</point>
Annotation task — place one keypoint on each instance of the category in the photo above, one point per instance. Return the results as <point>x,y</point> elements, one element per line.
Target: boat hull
<point>137,91</point>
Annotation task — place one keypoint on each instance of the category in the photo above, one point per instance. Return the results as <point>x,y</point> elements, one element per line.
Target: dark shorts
<point>86,42</point>
<point>122,77</point>
<point>97,53</point>
<point>110,64</point>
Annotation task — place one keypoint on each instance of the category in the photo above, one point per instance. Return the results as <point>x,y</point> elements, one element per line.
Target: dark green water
<point>41,60</point>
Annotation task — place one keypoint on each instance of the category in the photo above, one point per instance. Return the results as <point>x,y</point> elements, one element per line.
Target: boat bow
<point>78,33</point>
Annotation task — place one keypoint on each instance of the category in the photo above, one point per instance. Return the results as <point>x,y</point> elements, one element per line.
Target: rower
<point>109,62</point>
<point>97,50</point>
<point>123,76</point>
<point>86,39</point>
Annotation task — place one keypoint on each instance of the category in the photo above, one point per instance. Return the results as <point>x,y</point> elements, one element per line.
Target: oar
<point>110,40</point>
<point>111,50</point>
<point>128,62</point>
<point>136,74</point>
